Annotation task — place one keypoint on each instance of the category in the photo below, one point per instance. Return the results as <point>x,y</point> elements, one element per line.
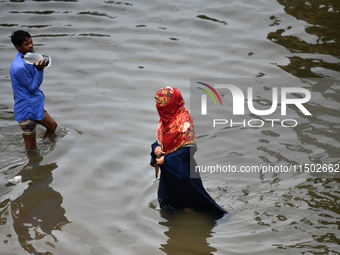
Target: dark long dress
<point>178,188</point>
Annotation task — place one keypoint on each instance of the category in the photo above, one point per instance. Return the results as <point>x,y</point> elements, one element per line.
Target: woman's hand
<point>160,160</point>
<point>158,151</point>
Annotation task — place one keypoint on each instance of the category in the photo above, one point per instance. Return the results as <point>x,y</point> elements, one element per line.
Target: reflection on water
<point>316,201</point>
<point>188,233</point>
<point>321,37</point>
<point>324,122</point>
<point>37,211</point>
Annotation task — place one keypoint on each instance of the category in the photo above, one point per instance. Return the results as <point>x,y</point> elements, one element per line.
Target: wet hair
<point>18,37</point>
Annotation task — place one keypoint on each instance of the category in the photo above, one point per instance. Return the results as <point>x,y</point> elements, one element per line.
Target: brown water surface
<point>91,190</point>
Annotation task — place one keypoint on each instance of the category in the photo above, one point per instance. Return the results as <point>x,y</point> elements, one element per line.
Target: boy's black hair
<point>18,37</point>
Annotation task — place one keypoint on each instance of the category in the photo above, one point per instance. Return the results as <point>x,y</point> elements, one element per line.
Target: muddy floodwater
<point>90,189</point>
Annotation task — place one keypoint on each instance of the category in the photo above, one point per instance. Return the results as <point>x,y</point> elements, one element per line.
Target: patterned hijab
<point>175,127</point>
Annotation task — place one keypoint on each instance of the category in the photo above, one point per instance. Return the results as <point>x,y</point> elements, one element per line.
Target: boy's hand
<point>41,65</point>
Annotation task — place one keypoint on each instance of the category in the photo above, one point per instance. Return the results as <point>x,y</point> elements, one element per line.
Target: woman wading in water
<point>173,152</point>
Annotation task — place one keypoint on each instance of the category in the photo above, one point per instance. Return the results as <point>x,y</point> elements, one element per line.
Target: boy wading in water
<point>28,96</point>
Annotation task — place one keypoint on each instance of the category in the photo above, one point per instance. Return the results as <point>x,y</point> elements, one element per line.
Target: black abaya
<point>177,189</point>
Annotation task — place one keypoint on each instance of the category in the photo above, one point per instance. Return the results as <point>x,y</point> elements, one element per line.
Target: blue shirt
<point>28,97</point>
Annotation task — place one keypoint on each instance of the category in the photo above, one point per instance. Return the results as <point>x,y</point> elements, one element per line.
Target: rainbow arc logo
<point>204,97</point>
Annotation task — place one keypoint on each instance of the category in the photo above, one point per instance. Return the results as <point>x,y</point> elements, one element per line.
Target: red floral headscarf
<point>175,127</point>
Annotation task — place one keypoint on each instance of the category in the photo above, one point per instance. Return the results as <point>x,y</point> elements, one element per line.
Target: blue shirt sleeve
<point>25,78</point>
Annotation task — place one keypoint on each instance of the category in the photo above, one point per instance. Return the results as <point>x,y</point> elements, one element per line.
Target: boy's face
<point>26,46</point>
